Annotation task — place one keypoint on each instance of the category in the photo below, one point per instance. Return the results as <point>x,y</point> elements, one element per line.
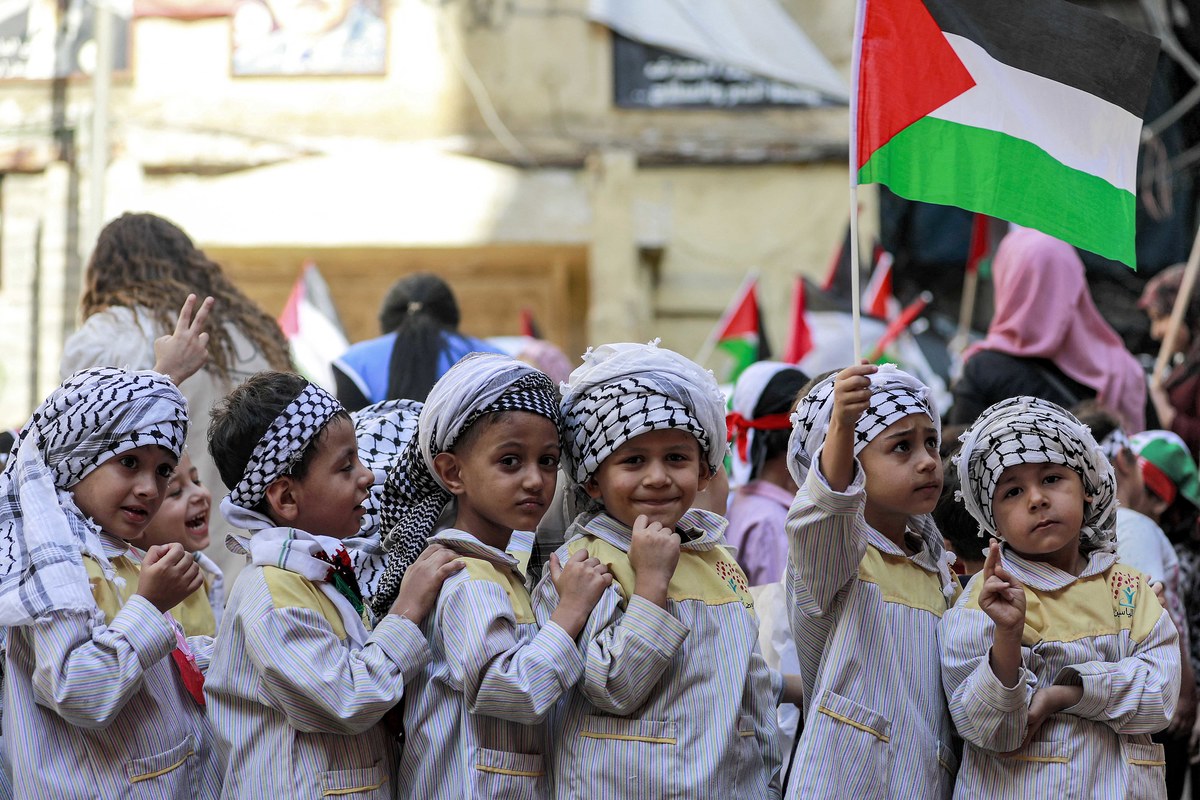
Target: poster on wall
<point>309,37</point>
<point>35,46</point>
<point>645,76</point>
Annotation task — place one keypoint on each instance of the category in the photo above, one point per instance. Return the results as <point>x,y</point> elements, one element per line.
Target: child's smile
<point>656,474</point>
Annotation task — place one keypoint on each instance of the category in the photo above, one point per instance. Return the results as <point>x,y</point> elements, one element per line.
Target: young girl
<point>95,704</point>
<point>869,581</point>
<point>675,698</point>
<point>488,446</point>
<point>183,518</point>
<point>1058,662</point>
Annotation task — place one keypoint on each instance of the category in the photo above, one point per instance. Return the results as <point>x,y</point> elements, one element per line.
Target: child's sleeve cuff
<point>146,630</point>
<point>996,695</point>
<point>1096,688</point>
<point>403,642</point>
<point>654,625</point>
<point>829,500</point>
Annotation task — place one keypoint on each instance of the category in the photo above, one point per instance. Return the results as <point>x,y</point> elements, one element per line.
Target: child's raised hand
<point>180,354</point>
<point>423,580</point>
<point>852,394</point>
<point>653,554</point>
<point>168,576</point>
<point>1002,597</point>
<point>579,584</point>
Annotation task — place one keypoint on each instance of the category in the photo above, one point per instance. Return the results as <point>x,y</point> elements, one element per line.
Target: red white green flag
<point>740,332</point>
<point>1026,110</point>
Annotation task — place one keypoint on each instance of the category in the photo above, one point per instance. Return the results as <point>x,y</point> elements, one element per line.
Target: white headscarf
<point>624,390</point>
<point>94,415</point>
<point>894,395</point>
<point>1028,430</point>
<point>747,396</point>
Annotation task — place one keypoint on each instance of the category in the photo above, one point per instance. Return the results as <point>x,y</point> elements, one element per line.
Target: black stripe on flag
<point>1060,41</point>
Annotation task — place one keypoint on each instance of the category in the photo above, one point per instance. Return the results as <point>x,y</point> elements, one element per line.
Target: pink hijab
<point>1045,310</point>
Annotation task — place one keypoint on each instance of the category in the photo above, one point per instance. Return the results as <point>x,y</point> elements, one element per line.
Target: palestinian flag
<point>741,333</point>
<point>1026,110</point>
<point>310,322</point>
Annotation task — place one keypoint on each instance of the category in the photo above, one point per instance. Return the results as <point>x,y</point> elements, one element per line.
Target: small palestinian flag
<point>1026,110</point>
<point>741,333</point>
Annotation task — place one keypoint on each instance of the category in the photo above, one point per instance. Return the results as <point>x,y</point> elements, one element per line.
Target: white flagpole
<point>855,299</point>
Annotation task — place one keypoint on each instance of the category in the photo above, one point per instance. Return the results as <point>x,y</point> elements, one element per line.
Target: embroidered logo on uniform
<point>1124,590</point>
<point>735,579</point>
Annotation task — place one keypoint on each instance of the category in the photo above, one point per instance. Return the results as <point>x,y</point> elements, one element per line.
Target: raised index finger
<point>993,558</point>
<point>185,315</point>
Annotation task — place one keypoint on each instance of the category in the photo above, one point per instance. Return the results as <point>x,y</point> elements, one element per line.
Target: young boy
<point>487,445</point>
<point>869,581</point>
<point>1058,661</point>
<point>183,518</point>
<point>298,688</point>
<point>95,704</point>
<point>675,699</point>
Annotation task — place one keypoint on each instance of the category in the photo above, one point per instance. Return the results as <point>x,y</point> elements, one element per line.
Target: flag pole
<point>1186,287</point>
<point>855,299</point>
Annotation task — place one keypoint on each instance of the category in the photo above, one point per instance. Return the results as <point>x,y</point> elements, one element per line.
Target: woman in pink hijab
<point>1047,339</point>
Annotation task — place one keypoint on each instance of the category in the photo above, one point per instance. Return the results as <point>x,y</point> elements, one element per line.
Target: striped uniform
<point>294,703</point>
<point>673,703</point>
<point>865,617</point>
<point>100,712</point>
<point>473,724</point>
<point>1107,627</point>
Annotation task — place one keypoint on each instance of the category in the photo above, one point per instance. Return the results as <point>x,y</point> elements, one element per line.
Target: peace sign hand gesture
<point>180,354</point>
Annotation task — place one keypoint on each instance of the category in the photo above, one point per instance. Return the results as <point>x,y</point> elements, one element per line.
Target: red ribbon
<point>737,426</point>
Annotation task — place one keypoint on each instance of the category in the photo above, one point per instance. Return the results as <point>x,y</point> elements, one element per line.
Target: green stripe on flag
<point>936,161</point>
<point>743,349</point>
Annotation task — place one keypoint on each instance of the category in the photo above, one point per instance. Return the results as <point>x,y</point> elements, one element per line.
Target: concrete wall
<point>493,128</point>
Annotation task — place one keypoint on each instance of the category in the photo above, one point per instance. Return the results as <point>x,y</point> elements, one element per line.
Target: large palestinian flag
<point>1026,110</point>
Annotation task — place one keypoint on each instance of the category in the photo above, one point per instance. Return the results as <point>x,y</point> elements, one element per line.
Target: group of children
<point>632,668</point>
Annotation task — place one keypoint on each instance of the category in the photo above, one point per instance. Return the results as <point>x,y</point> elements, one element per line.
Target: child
<point>675,699</point>
<point>869,581</point>
<point>95,705</point>
<point>488,445</point>
<point>298,687</point>
<point>183,518</point>
<point>1058,662</point>
<point>760,423</point>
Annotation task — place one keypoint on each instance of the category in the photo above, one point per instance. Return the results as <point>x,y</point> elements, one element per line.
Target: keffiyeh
<point>624,390</point>
<point>413,495</point>
<point>321,559</point>
<point>383,431</point>
<point>894,395</point>
<point>93,416</point>
<point>1028,430</point>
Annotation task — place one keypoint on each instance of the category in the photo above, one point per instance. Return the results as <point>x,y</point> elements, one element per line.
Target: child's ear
<point>592,487</point>
<point>449,471</point>
<point>705,476</point>
<point>282,499</point>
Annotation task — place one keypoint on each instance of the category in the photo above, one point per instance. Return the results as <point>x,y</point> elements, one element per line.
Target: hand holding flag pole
<point>1186,287</point>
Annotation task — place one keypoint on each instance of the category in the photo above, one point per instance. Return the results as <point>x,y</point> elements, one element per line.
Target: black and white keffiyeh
<point>94,415</point>
<point>283,444</point>
<point>624,390</point>
<point>1112,444</point>
<point>384,431</point>
<point>1028,430</point>
<point>894,395</point>
<point>413,496</point>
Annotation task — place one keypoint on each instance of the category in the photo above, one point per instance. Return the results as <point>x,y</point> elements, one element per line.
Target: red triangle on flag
<point>906,70</point>
<point>799,341</point>
<point>980,242</point>
<point>742,318</point>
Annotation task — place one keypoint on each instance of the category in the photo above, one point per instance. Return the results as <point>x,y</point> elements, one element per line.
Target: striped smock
<point>298,707</point>
<point>101,711</point>
<point>1107,627</point>
<point>865,617</point>
<point>473,721</point>
<point>673,702</point>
